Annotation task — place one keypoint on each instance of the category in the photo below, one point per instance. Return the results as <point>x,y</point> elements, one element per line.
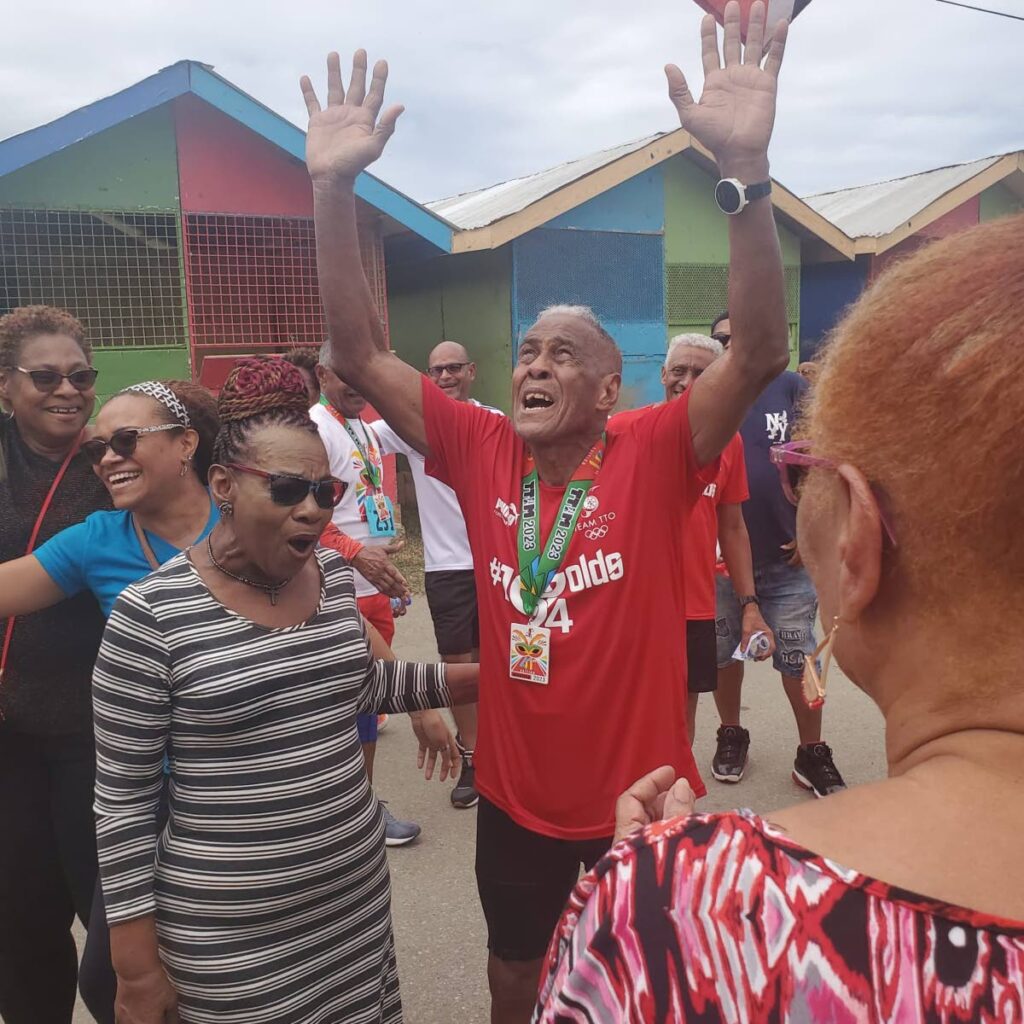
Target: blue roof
<point>189,76</point>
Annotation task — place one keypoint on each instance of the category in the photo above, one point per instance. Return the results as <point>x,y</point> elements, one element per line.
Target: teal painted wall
<point>132,166</point>
<point>697,236</point>
<point>999,201</point>
<point>121,367</point>
<point>464,298</point>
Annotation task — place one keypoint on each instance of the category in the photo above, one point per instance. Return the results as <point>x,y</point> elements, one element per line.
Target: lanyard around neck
<point>373,475</point>
<point>537,566</point>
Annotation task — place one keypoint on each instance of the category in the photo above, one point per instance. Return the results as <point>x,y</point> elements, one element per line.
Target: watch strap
<point>750,599</point>
<point>758,191</point>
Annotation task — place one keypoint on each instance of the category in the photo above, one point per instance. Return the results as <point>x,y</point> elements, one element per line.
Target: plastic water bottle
<point>398,602</point>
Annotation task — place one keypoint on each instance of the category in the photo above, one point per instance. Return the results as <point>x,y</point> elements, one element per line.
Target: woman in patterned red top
<point>901,901</point>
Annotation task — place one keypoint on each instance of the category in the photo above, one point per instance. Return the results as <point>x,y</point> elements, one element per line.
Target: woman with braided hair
<point>266,898</point>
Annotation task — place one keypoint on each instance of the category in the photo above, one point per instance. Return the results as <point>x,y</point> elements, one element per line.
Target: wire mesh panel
<point>117,271</point>
<point>695,293</point>
<point>618,274</point>
<point>252,281</point>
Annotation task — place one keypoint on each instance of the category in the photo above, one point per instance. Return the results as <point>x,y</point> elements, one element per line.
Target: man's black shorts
<point>451,598</point>
<point>701,656</point>
<point>524,880</point>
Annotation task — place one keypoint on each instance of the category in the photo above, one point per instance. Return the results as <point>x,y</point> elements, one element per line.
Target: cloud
<point>871,88</point>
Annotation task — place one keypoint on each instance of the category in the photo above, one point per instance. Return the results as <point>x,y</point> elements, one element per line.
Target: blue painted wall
<point>826,289</point>
<point>636,205</point>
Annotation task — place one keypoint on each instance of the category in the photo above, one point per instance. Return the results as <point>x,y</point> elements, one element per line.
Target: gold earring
<point>186,465</point>
<point>813,683</point>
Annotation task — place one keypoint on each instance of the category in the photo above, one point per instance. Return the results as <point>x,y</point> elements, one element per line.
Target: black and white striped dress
<point>270,883</point>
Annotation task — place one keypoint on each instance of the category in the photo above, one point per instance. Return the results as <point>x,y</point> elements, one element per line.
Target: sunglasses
<point>122,442</point>
<point>794,460</point>
<point>437,372</point>
<point>49,380</point>
<point>292,490</point>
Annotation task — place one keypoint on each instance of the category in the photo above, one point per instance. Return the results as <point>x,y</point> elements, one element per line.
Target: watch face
<point>728,197</point>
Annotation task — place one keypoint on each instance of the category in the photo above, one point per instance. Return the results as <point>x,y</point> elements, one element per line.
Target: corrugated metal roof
<point>487,205</point>
<point>875,210</point>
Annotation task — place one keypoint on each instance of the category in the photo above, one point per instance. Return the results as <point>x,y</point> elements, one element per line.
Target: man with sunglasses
<point>365,515</point>
<point>576,525</point>
<point>448,559</point>
<point>782,589</point>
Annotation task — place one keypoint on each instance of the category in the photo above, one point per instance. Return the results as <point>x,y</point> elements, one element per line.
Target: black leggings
<point>47,874</point>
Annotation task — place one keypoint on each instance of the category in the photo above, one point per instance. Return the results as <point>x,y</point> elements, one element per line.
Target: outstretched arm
<point>734,120</point>
<point>26,587</point>
<point>343,139</point>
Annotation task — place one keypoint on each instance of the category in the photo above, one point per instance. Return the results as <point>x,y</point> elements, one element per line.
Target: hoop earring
<point>814,683</point>
<point>226,509</point>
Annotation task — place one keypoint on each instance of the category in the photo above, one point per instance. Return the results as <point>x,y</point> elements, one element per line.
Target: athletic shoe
<point>815,770</point>
<point>382,721</point>
<point>464,795</point>
<point>730,759</point>
<point>397,833</point>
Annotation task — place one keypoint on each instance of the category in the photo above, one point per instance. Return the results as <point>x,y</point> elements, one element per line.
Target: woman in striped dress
<point>266,898</point>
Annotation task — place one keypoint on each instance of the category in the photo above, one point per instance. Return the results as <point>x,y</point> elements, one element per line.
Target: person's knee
<point>513,982</point>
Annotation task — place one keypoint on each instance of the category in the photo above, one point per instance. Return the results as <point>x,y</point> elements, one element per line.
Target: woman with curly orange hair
<point>901,900</point>
<point>266,896</point>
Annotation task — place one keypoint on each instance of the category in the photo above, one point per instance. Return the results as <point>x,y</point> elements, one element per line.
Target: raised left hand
<point>736,111</point>
<point>657,796</point>
<point>435,740</point>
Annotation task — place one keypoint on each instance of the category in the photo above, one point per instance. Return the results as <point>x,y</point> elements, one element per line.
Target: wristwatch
<point>733,196</point>
<point>750,599</point>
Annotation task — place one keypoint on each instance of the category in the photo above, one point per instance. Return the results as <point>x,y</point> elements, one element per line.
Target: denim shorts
<point>789,606</point>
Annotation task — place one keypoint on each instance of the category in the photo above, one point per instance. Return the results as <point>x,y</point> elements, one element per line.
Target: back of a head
<point>259,392</point>
<point>922,389</point>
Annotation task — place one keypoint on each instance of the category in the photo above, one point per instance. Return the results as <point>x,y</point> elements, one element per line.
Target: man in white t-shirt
<point>367,517</point>
<point>451,591</point>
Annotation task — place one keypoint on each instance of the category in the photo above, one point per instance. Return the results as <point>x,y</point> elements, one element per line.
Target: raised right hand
<point>148,999</point>
<point>346,137</point>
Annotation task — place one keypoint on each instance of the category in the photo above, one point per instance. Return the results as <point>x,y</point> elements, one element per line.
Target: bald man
<point>448,560</point>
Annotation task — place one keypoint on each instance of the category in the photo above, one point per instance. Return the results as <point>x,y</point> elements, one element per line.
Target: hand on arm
<point>734,119</point>
<point>26,587</point>
<point>734,541</point>
<point>342,140</point>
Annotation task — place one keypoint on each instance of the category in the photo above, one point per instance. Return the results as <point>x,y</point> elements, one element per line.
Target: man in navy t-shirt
<point>784,591</point>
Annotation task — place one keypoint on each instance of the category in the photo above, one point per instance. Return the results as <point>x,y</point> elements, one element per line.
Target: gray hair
<point>588,316</point>
<point>694,341</point>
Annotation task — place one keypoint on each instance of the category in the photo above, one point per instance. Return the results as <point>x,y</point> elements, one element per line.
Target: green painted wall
<point>121,367</point>
<point>132,166</point>
<point>999,201</point>
<point>465,298</point>
<point>696,232</point>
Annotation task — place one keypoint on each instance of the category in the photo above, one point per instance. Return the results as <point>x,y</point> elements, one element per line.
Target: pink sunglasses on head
<point>794,458</point>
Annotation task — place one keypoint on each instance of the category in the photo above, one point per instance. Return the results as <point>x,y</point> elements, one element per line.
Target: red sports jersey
<point>729,487</point>
<point>556,756</point>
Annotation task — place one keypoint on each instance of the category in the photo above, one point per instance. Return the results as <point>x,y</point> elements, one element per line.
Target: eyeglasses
<point>122,442</point>
<point>49,380</point>
<point>437,372</point>
<point>722,339</point>
<point>794,459</point>
<point>292,490</point>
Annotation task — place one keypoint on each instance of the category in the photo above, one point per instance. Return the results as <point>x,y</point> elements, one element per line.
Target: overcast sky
<point>871,89</point>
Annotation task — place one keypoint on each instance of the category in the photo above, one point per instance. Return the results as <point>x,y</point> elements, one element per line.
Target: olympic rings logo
<point>597,532</point>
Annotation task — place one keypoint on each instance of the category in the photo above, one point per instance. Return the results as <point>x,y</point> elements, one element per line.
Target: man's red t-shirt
<point>729,487</point>
<point>556,757</point>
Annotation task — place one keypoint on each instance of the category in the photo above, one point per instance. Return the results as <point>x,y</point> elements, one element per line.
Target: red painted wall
<point>225,168</point>
<point>964,216</point>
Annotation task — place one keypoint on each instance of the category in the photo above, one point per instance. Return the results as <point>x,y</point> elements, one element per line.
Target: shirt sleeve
<point>734,488</point>
<point>63,557</point>
<point>131,715</point>
<point>388,441</point>
<point>397,687</point>
<point>462,438</point>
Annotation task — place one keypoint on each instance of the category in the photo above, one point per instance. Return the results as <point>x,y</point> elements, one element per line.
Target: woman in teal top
<point>151,447</point>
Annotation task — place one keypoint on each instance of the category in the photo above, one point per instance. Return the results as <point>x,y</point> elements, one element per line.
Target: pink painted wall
<point>964,216</point>
<point>225,168</point>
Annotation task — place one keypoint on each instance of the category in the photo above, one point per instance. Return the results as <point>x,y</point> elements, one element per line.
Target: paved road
<point>438,925</point>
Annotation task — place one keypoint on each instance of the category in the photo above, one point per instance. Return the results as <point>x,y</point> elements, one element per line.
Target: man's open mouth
<point>536,400</point>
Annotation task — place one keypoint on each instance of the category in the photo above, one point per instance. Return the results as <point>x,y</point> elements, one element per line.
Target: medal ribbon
<point>536,566</point>
<point>370,470</point>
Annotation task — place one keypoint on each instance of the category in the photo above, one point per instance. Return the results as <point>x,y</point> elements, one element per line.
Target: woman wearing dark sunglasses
<point>266,896</point>
<point>48,850</point>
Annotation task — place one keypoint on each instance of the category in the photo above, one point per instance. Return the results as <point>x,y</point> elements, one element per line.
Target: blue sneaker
<point>397,833</point>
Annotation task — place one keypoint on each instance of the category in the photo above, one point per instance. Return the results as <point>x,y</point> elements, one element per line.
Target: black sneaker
<point>730,759</point>
<point>815,770</point>
<point>464,795</point>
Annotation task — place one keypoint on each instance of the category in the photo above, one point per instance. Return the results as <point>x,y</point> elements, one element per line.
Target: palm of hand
<point>341,140</point>
<point>736,111</point>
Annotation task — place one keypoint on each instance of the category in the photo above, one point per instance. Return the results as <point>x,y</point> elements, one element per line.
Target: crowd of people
<point>199,596</point>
